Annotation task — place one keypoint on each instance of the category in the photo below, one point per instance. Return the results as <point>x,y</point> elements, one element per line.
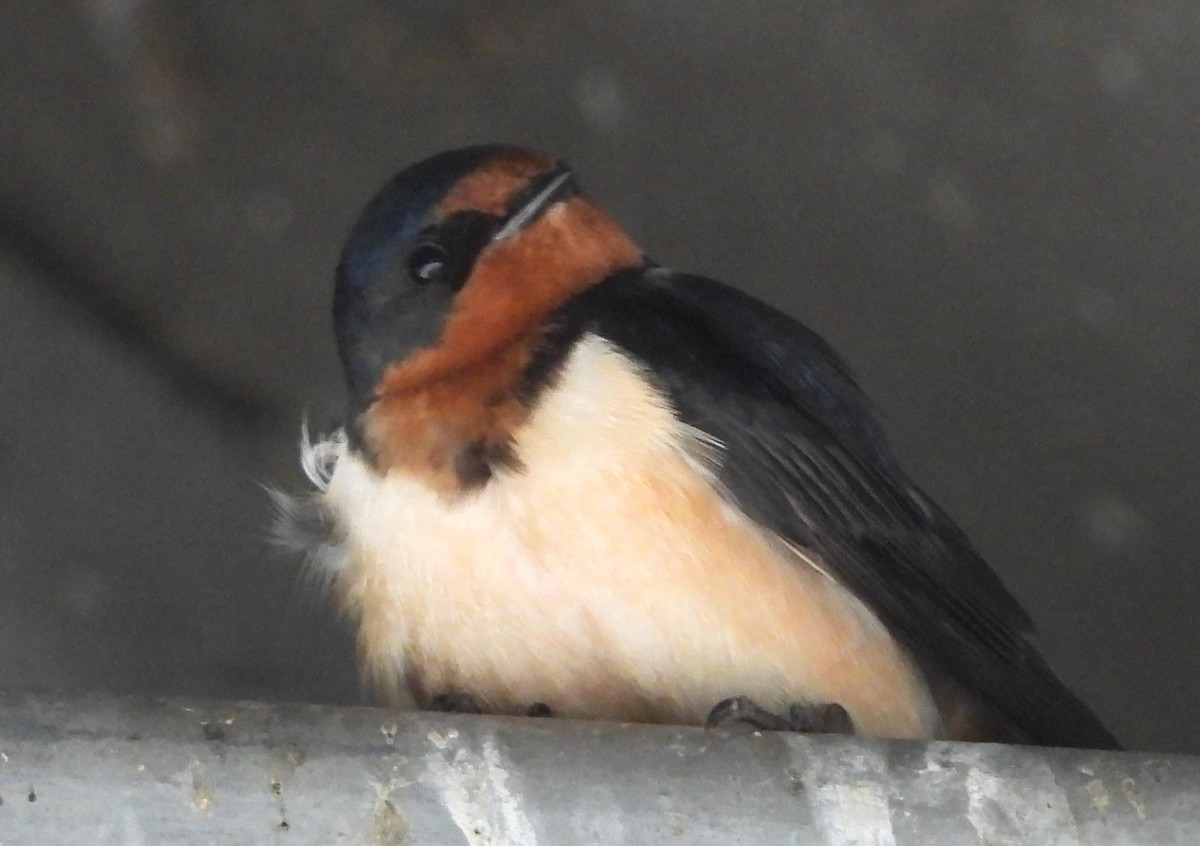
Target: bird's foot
<point>804,717</point>
<point>465,703</point>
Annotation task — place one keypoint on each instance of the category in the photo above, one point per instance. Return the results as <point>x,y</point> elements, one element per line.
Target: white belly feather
<point>607,578</point>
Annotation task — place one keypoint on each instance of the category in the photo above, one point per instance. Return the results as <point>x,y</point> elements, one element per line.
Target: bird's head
<point>457,258</point>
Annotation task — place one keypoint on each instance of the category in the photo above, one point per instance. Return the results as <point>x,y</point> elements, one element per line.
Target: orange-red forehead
<point>490,187</point>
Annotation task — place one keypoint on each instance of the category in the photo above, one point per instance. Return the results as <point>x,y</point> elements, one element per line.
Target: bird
<point>573,482</point>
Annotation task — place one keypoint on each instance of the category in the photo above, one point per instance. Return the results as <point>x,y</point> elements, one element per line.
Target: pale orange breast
<point>607,578</point>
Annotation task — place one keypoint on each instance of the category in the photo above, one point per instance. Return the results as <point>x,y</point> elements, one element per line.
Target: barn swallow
<point>574,482</point>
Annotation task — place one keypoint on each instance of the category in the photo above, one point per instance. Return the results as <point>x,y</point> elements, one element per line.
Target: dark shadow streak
<point>74,283</point>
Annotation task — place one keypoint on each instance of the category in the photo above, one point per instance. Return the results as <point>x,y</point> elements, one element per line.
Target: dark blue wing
<point>805,457</point>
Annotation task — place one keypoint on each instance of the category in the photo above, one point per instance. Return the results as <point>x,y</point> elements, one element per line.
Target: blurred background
<point>992,208</point>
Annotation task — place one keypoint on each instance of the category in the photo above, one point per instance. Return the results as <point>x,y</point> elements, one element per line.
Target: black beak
<point>541,193</point>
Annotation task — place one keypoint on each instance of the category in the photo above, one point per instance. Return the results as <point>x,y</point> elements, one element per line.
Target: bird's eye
<point>426,263</point>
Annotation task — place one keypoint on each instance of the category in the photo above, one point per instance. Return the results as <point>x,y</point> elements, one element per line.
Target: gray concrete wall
<point>991,208</point>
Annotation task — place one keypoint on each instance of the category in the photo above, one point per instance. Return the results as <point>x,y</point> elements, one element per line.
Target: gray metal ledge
<point>102,770</point>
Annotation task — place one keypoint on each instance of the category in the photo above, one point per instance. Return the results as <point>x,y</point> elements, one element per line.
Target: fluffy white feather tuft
<point>303,523</point>
<point>319,459</point>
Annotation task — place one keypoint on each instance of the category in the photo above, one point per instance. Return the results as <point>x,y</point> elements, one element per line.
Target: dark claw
<point>455,703</point>
<point>742,710</point>
<point>465,703</point>
<point>826,718</point>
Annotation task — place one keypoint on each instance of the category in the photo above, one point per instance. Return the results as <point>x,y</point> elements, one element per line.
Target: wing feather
<point>804,455</point>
